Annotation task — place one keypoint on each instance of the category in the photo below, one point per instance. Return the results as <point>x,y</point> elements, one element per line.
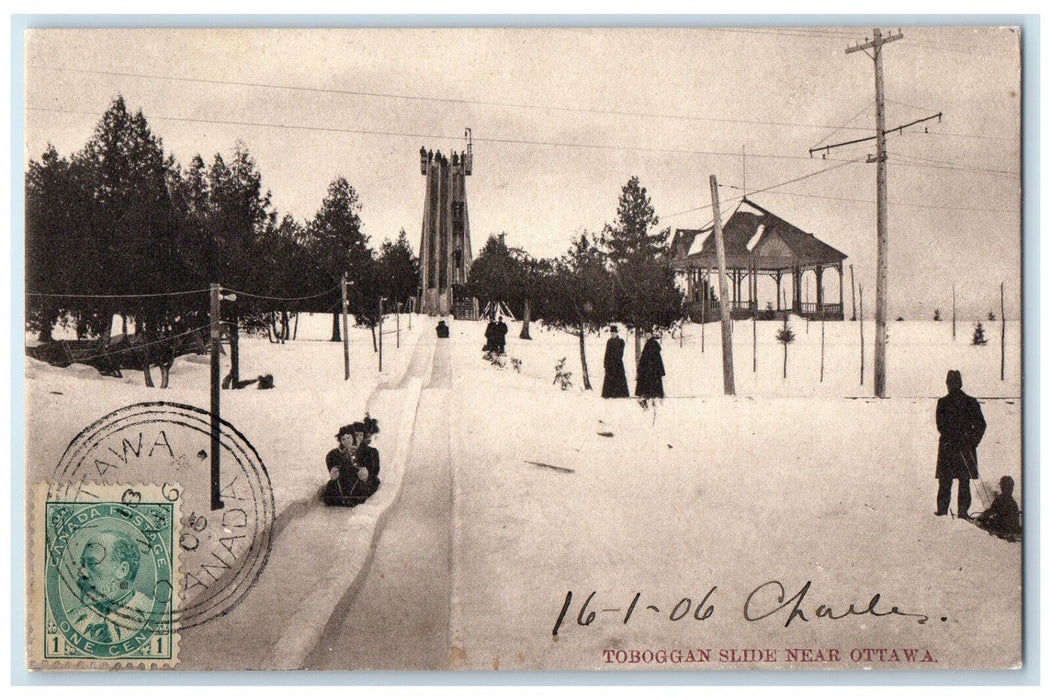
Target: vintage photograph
<point>497,349</point>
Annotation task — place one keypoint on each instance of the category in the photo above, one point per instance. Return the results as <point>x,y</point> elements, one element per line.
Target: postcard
<point>577,348</point>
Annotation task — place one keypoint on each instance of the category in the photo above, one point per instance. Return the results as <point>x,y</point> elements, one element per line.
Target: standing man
<point>490,336</point>
<point>501,335</point>
<point>615,383</point>
<point>649,382</point>
<point>961,426</point>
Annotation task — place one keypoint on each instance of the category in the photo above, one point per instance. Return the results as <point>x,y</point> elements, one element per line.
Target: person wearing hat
<point>615,383</point>
<point>961,426</point>
<point>649,382</point>
<point>353,467</point>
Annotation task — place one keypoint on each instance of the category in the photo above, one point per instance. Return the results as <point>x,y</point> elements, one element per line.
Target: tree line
<point>620,275</point>
<point>121,228</point>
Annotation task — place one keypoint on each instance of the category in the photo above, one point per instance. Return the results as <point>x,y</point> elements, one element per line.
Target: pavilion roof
<point>753,236</point>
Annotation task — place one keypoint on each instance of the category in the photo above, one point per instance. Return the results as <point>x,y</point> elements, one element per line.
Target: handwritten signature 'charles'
<point>767,600</point>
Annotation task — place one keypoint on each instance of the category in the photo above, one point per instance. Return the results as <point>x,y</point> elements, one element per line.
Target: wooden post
<point>784,345</point>
<point>954,311</point>
<point>380,331</point>
<point>397,325</point>
<point>216,331</point>
<point>853,309</point>
<point>806,305</point>
<point>704,302</point>
<point>822,379</point>
<point>754,286</point>
<point>346,339</point>
<point>724,311</point>
<point>861,327</point>
<point>879,381</point>
<point>1003,333</point>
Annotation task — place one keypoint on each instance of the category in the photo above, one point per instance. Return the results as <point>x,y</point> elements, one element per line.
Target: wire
<point>895,204</point>
<point>114,296</point>
<point>949,162</point>
<point>804,177</point>
<point>840,128</point>
<point>906,104</point>
<point>134,348</point>
<point>264,296</point>
<point>453,100</point>
<point>989,171</point>
<point>733,154</point>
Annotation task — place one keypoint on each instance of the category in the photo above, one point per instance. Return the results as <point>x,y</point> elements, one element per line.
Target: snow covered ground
<point>789,481</point>
<point>291,426</point>
<point>793,480</point>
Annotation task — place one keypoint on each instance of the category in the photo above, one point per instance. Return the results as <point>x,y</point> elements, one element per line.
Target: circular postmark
<point>223,550</point>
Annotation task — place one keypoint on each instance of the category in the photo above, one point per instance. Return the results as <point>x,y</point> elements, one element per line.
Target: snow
<point>292,425</point>
<point>792,480</point>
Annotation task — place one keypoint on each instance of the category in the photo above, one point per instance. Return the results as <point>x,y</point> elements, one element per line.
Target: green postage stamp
<point>104,584</point>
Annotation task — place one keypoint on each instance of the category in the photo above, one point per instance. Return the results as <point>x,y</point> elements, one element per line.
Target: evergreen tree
<point>645,295</point>
<point>499,274</point>
<point>978,336</point>
<point>578,294</point>
<point>399,269</point>
<point>335,238</point>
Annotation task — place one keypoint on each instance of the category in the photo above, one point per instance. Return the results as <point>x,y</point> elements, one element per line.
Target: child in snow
<point>1002,518</point>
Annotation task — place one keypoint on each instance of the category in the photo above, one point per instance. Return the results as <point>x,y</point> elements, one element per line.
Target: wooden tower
<point>445,240</point>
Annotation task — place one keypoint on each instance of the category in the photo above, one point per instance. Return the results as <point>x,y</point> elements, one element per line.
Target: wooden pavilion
<point>758,243</point>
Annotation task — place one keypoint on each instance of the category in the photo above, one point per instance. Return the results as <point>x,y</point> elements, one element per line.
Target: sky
<point>562,118</point>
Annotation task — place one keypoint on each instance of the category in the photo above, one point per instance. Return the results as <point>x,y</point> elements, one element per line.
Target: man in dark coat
<point>441,329</point>
<point>490,337</point>
<point>648,375</point>
<point>500,335</point>
<point>615,383</point>
<point>353,467</point>
<point>961,427</point>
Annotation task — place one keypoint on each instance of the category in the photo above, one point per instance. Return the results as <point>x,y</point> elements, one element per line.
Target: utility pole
<point>346,340</point>
<point>853,305</point>
<point>215,334</point>
<point>954,311</point>
<point>381,332</point>
<point>880,363</point>
<point>724,308</point>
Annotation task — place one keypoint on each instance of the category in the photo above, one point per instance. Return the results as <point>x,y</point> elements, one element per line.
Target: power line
<point>264,296</point>
<point>953,166</point>
<point>845,124</point>
<point>114,296</point>
<point>524,142</point>
<point>896,204</point>
<point>136,347</point>
<point>425,98</point>
<point>765,189</point>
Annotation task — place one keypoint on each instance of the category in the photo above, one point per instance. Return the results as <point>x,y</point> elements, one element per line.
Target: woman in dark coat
<point>961,427</point>
<point>615,383</point>
<point>648,376</point>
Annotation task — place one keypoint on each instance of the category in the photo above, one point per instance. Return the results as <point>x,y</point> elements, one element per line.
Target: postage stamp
<point>223,550</point>
<point>105,578</point>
